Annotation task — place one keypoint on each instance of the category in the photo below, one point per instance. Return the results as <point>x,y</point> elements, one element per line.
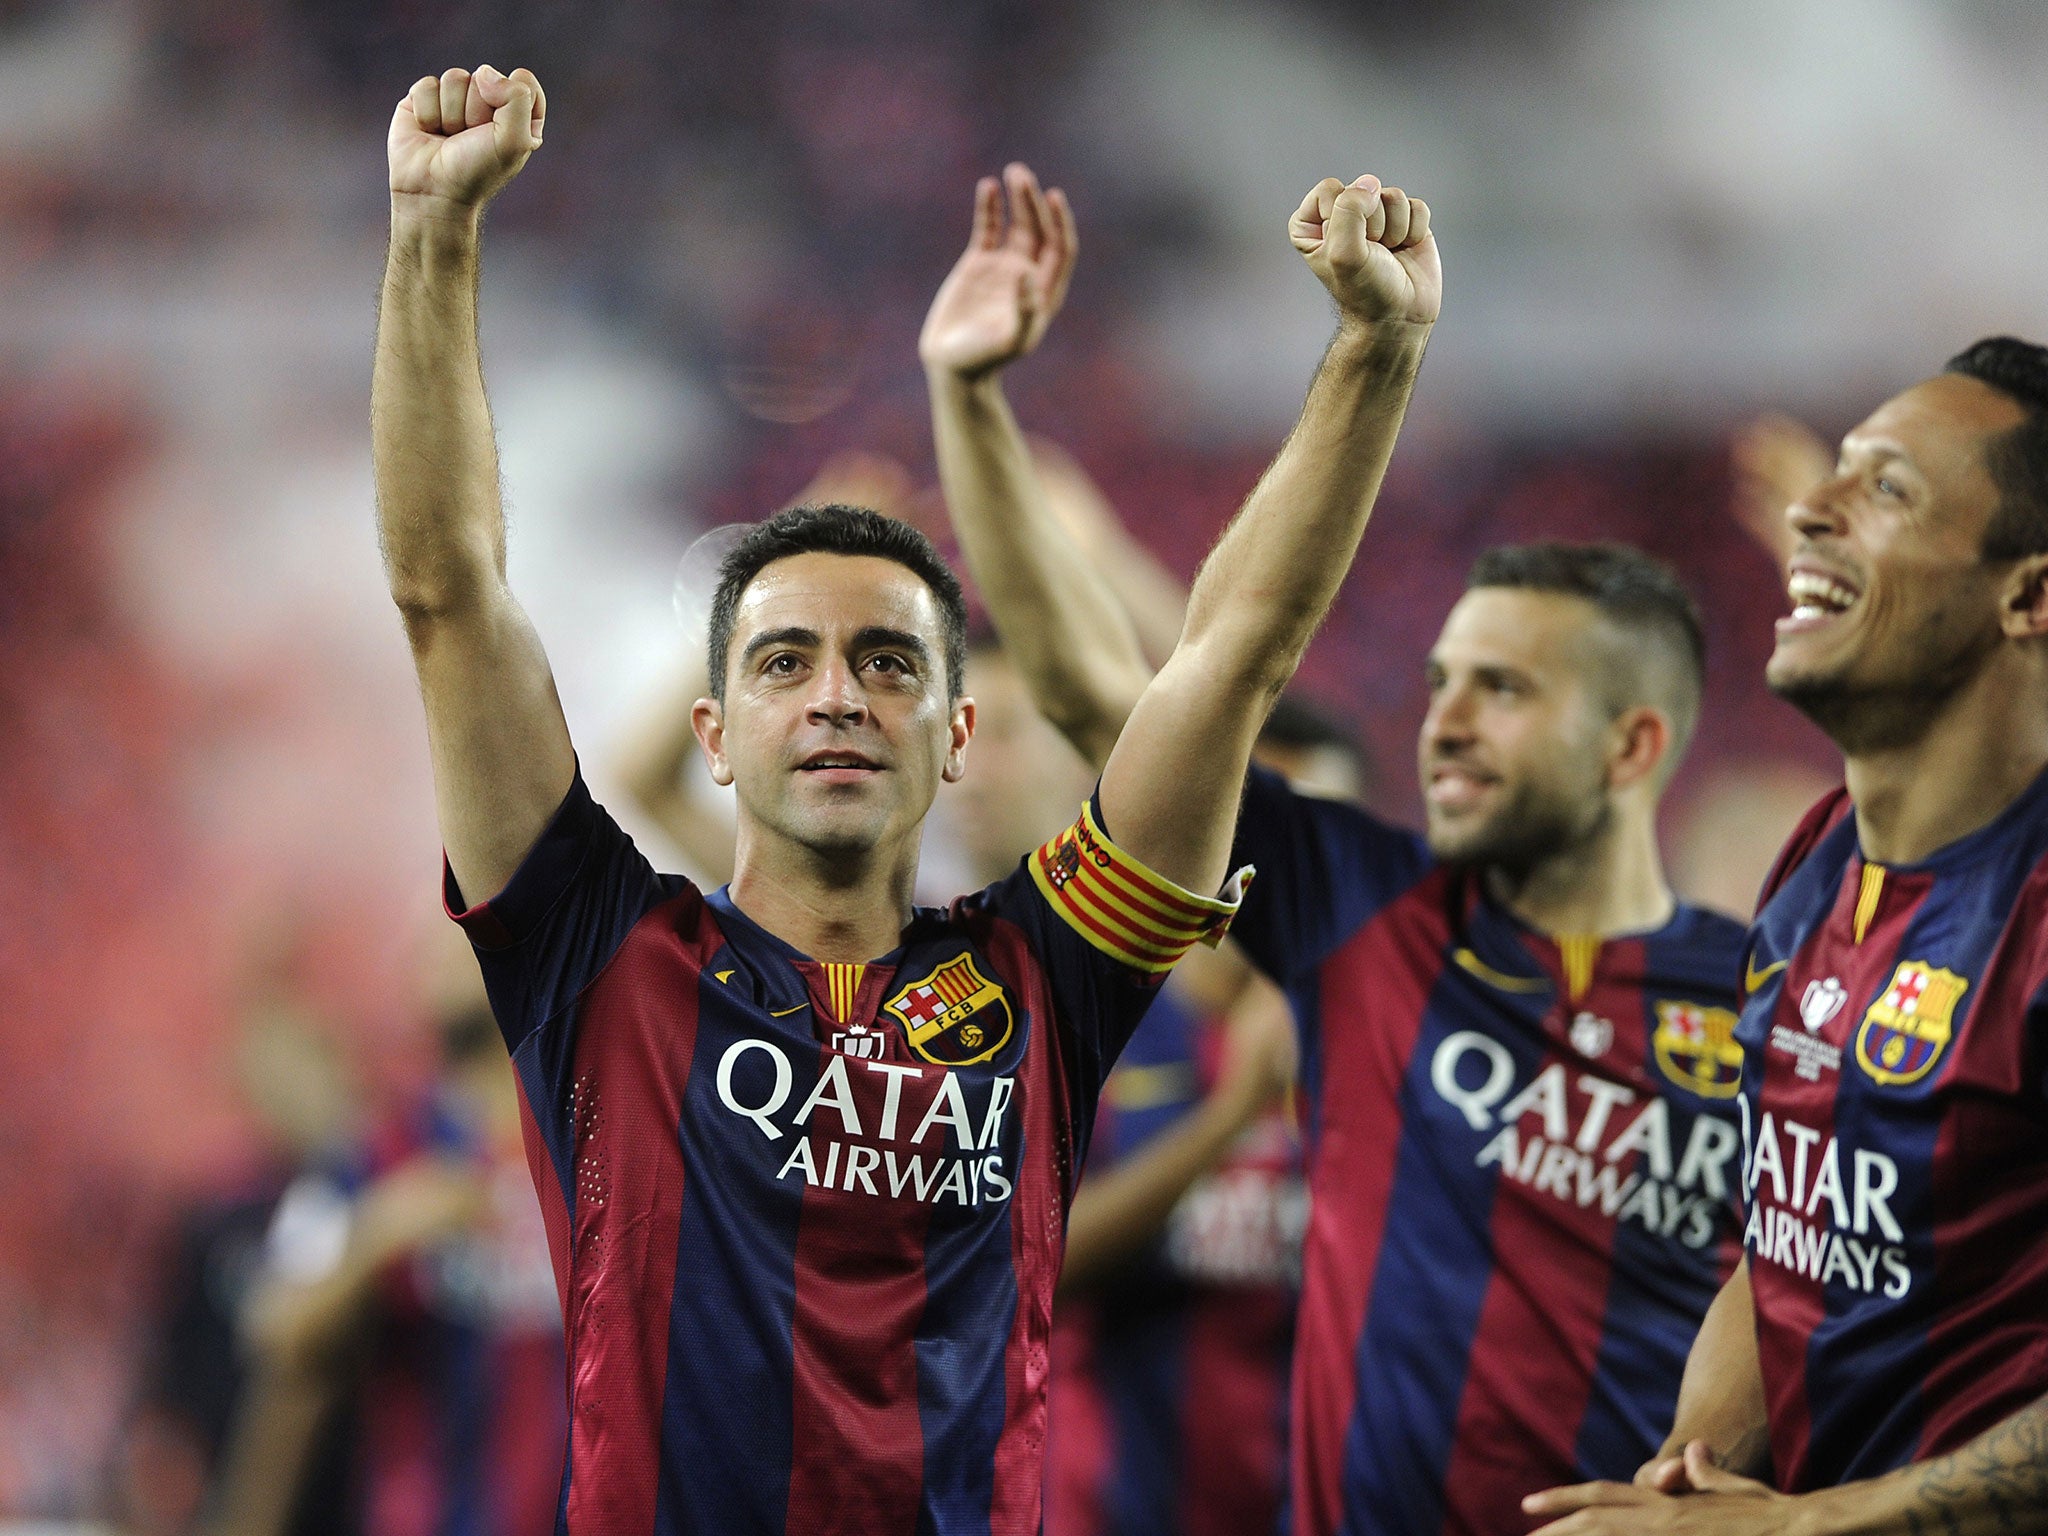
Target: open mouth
<point>1454,787</point>
<point>1817,596</point>
<point>839,767</point>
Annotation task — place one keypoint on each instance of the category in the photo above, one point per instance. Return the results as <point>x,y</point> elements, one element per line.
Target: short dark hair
<point>1641,597</point>
<point>2018,459</point>
<point>834,528</point>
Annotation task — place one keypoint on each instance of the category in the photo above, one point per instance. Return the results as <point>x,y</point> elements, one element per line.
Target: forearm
<point>1721,1397</point>
<point>655,767</point>
<point>1118,1211</point>
<point>1060,622</point>
<point>1273,575</point>
<point>1996,1483</point>
<point>439,514</point>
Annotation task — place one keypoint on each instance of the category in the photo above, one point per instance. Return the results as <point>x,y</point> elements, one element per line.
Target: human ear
<point>707,719</point>
<point>1639,740</point>
<point>959,733</point>
<point>2023,600</point>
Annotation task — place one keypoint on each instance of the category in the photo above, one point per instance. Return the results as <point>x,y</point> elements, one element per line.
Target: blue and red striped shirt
<point>1895,1090</point>
<point>1522,1167</point>
<point>806,1218</point>
<point>1169,1385</point>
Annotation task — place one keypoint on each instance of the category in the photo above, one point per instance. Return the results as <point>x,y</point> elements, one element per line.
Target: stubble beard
<point>1538,824</point>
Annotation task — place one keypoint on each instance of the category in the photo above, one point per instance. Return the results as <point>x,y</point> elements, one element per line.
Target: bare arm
<point>499,745</point>
<point>656,764</point>
<point>1060,622</point>
<point>1171,789</point>
<point>1996,1483</point>
<point>1118,1211</point>
<point>1721,1398</point>
<point>1182,742</point>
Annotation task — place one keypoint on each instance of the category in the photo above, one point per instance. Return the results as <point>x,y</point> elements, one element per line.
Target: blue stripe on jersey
<point>1306,998</point>
<point>1429,1286</point>
<point>1140,1362</point>
<point>1874,1337</point>
<point>1653,1302</point>
<point>729,1349</point>
<point>962,1357</point>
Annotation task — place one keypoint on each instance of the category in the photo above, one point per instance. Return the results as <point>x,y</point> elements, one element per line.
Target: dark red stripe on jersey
<point>1038,1239</point>
<point>1232,1415</point>
<point>635,1035</point>
<point>1351,1178</point>
<point>1535,1352</point>
<point>857,1457</point>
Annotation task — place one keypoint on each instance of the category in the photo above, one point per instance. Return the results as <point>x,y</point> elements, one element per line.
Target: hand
<point>857,477</point>
<point>1372,248</point>
<point>1004,290</point>
<point>1774,461</point>
<point>457,139</point>
<point>1691,1493</point>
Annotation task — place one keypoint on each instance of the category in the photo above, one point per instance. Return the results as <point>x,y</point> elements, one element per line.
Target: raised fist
<point>457,139</point>
<point>1004,290</point>
<point>1372,248</point>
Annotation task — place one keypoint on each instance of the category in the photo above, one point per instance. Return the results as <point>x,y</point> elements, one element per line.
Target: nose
<point>1818,513</point>
<point>1449,720</point>
<point>836,696</point>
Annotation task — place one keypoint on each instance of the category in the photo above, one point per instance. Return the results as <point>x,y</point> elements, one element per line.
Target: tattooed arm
<point>1997,1485</point>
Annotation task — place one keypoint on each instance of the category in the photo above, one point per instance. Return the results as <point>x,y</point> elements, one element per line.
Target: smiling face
<point>836,728</point>
<point>1513,751</point>
<point>1894,606</point>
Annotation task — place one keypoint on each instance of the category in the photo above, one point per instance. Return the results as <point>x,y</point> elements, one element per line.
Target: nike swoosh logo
<point>783,1013</point>
<point>1754,978</point>
<point>1486,973</point>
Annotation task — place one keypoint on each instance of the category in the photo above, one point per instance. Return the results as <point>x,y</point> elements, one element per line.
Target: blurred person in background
<point>1175,1314</point>
<point>403,1339</point>
<point>197,1376</point>
<point>1877,1362</point>
<point>1518,1055</point>
<point>887,1349</point>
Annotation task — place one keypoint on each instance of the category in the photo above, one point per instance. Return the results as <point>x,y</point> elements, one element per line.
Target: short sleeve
<point>1324,869</point>
<point>561,917</point>
<point>1104,930</point>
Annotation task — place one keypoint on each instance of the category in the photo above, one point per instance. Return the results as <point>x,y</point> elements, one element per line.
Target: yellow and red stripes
<point>1121,907</point>
<point>842,985</point>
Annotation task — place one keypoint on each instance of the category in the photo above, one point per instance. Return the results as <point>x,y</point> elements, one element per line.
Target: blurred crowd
<point>263,1149</point>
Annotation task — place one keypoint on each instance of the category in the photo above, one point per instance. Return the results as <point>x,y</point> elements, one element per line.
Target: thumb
<point>1707,1475</point>
<point>1346,230</point>
<point>510,99</point>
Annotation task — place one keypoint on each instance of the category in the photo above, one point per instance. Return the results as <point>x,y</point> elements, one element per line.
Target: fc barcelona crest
<point>955,1016</point>
<point>1697,1048</point>
<point>1909,1026</point>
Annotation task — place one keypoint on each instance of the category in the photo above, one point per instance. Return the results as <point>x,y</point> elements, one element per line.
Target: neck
<point>1978,752</point>
<point>843,908</point>
<point>1612,883</point>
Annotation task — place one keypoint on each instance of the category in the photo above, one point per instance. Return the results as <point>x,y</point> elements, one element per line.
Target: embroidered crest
<point>955,1016</point>
<point>1696,1047</point>
<point>1911,1023</point>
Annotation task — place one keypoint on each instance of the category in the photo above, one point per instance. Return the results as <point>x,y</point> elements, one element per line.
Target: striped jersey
<point>1522,1165</point>
<point>805,1218</point>
<point>1895,1097</point>
<point>1169,1372</point>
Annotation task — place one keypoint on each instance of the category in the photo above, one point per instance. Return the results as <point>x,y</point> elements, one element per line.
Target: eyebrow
<point>874,637</point>
<point>785,636</point>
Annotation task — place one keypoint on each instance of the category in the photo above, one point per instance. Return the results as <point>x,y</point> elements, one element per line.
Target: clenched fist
<point>1372,248</point>
<point>455,140</point>
<point>1004,290</point>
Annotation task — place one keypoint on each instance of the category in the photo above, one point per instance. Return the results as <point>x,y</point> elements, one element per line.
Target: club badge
<point>1696,1047</point>
<point>1911,1023</point>
<point>955,1016</point>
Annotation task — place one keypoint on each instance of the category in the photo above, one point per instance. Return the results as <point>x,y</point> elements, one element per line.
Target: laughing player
<point>1878,1361</point>
<point>805,1150</point>
<point>1517,1063</point>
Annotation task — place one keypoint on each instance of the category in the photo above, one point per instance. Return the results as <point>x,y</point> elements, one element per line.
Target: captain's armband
<point>1124,909</point>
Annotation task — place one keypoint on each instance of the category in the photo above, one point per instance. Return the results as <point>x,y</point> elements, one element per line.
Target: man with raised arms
<point>1878,1362</point>
<point>1518,1067</point>
<point>805,1150</point>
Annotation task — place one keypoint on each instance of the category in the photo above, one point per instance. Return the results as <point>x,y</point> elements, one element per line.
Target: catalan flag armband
<point>1124,909</point>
